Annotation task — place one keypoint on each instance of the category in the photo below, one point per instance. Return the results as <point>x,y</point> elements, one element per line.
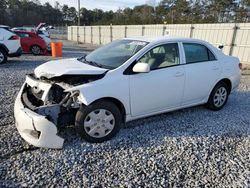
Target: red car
<point>31,42</point>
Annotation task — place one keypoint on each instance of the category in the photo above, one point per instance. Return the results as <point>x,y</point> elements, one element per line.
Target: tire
<point>218,97</point>
<point>3,56</point>
<point>90,123</point>
<point>36,50</point>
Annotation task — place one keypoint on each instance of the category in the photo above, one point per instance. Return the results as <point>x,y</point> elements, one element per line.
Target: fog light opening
<point>35,133</point>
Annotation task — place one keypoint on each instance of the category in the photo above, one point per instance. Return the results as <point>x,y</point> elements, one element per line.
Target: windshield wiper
<point>83,59</point>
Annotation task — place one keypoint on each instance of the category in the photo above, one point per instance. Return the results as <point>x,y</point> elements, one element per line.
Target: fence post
<point>143,30</point>
<point>235,29</point>
<point>164,30</point>
<point>91,33</point>
<point>78,34</point>
<point>111,33</point>
<point>71,28</point>
<point>125,34</point>
<point>84,34</point>
<point>100,35</point>
<point>191,31</point>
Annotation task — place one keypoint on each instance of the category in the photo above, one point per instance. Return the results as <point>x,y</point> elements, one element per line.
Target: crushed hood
<point>66,67</point>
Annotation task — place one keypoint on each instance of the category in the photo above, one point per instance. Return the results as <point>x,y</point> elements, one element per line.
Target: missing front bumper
<point>29,122</point>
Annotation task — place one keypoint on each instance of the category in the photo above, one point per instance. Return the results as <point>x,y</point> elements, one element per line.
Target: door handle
<point>178,74</point>
<point>215,68</point>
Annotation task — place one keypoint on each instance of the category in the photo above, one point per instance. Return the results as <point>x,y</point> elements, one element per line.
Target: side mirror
<point>141,68</point>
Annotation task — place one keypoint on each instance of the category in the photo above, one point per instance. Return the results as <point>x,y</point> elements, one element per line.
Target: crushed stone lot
<point>194,147</point>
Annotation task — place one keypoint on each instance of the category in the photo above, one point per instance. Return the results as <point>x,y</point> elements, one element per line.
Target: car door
<point>162,87</point>
<point>24,41</point>
<point>1,34</point>
<point>202,71</point>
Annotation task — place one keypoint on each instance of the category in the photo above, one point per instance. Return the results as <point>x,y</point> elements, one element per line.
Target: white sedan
<point>125,80</point>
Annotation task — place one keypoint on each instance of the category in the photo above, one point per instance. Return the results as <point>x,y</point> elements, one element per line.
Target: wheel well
<point>4,48</point>
<point>118,103</point>
<point>228,82</point>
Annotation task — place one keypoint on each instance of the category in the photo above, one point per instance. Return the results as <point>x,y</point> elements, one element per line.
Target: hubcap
<point>99,123</point>
<point>220,97</point>
<point>36,50</point>
<point>1,57</point>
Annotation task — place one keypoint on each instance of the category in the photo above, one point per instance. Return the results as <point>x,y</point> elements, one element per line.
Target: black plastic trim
<point>4,47</point>
<point>17,53</point>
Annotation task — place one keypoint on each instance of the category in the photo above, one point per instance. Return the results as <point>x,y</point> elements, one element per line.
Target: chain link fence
<point>59,32</point>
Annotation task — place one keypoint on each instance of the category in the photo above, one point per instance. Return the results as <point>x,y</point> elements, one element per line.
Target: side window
<point>211,55</point>
<point>23,35</point>
<point>162,56</point>
<point>39,32</point>
<point>197,53</point>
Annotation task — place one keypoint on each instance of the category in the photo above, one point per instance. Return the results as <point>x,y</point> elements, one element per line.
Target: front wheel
<point>218,97</point>
<point>99,121</point>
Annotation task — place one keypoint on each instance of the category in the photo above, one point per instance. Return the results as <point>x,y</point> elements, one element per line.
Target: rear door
<point>202,72</point>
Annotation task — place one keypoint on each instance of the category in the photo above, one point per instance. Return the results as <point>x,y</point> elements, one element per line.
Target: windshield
<point>114,54</point>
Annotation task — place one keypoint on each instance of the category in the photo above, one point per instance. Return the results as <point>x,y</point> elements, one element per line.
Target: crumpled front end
<point>40,108</point>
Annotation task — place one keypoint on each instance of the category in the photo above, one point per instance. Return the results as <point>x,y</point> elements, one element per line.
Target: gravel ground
<point>193,147</point>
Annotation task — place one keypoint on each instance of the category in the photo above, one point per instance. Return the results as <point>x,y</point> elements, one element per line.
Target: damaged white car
<point>125,80</point>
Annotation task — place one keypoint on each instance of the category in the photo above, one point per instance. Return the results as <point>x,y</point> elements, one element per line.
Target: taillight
<point>240,66</point>
<point>14,37</point>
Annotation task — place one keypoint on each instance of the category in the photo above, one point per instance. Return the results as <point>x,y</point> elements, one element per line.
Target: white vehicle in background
<point>9,44</point>
<point>30,29</point>
<point>46,37</point>
<point>43,32</point>
<point>125,80</point>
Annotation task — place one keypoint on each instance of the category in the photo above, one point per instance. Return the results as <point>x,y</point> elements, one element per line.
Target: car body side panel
<point>113,85</point>
<point>46,39</point>
<point>30,40</point>
<point>231,70</point>
<point>200,78</point>
<point>11,45</point>
<point>156,90</point>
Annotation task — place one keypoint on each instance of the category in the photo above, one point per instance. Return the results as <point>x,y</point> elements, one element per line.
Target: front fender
<point>117,88</point>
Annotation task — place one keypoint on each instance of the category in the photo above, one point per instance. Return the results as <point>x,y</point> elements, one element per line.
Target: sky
<point>103,4</point>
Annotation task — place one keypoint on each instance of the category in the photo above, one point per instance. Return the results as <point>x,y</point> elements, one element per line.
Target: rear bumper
<point>35,128</point>
<point>17,53</point>
<point>235,80</point>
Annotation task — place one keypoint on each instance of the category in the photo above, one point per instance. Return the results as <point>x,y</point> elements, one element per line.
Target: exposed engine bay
<point>48,98</point>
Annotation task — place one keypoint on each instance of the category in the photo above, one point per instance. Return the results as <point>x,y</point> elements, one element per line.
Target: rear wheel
<point>3,56</point>
<point>36,50</point>
<point>99,121</point>
<point>219,96</point>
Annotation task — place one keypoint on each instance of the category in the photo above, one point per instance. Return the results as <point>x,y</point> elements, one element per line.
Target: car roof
<point>27,32</point>
<point>165,39</point>
<point>4,26</point>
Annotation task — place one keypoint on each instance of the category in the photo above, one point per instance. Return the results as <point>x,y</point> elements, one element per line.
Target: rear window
<point>22,35</point>
<point>39,32</point>
<point>197,53</point>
